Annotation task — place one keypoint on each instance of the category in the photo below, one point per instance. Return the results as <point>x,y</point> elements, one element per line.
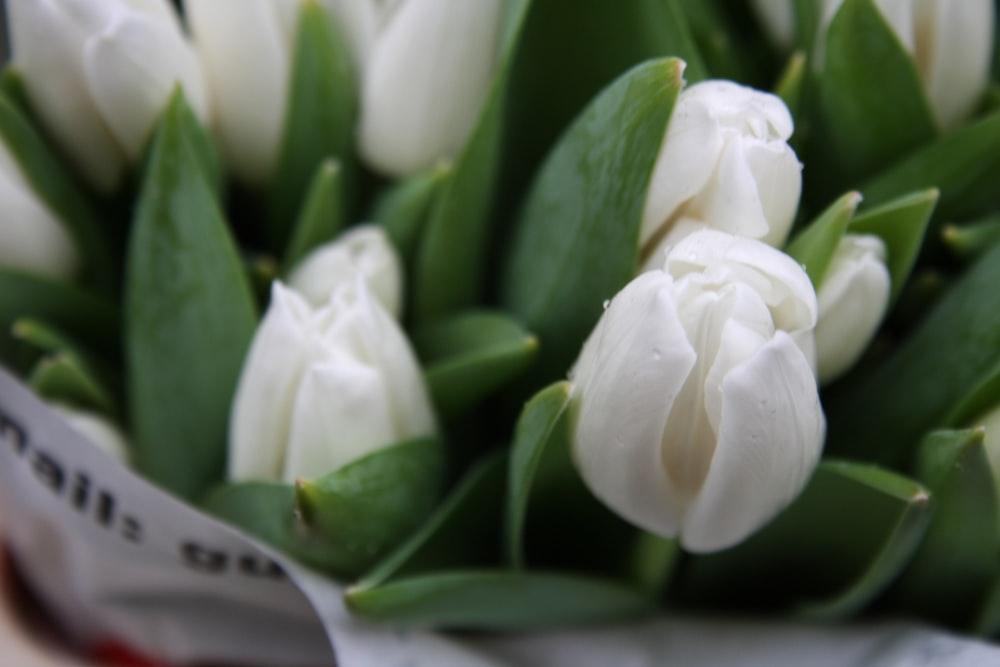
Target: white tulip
<point>695,412</point>
<point>96,429</point>
<point>853,298</point>
<point>364,250</point>
<point>725,164</point>
<point>777,18</point>
<point>98,73</point>
<point>32,238</point>
<point>951,42</point>
<point>321,388</point>
<point>426,81</point>
<point>247,49</point>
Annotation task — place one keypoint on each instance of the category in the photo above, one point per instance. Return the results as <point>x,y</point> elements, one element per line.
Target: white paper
<point>115,558</point>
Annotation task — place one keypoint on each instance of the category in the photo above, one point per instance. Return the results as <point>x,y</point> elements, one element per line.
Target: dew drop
<point>607,302</point>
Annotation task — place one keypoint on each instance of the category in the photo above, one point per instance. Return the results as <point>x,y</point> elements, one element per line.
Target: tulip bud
<point>31,236</point>
<point>725,163</point>
<point>951,43</point>
<point>853,298</point>
<point>246,48</point>
<point>365,251</point>
<point>98,73</point>
<point>95,428</point>
<point>695,412</point>
<point>323,387</point>
<point>426,81</point>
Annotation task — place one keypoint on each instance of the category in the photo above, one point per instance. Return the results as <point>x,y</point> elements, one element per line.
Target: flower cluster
<point>317,255</point>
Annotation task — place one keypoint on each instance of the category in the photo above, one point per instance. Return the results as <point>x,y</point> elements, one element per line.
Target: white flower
<point>426,80</point>
<point>98,73</point>
<point>321,388</point>
<point>31,236</point>
<point>246,47</point>
<point>777,17</point>
<point>364,250</point>
<point>695,412</point>
<point>951,42</point>
<point>853,298</point>
<point>725,163</point>
<point>96,429</point>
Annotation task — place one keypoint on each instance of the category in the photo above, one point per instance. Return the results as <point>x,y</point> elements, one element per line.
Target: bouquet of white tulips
<point>363,321</point>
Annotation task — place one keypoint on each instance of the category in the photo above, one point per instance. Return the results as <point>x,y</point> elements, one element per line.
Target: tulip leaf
<point>969,241</point>
<point>497,600</point>
<point>816,245</point>
<point>67,372</point>
<point>552,520</point>
<point>987,624</point>
<point>964,165</point>
<point>468,357</point>
<point>381,497</point>
<point>577,242</point>
<point>202,147</point>
<point>321,216</point>
<point>319,121</point>
<point>831,553</point>
<point>189,318</point>
<point>535,428</point>
<point>943,373</point>
<point>569,51</point>
<point>61,377</point>
<point>901,224</point>
<point>724,37</point>
<point>64,197</point>
<point>462,532</point>
<point>951,573</point>
<point>531,101</point>
<point>370,505</point>
<point>404,208</point>
<point>790,86</point>
<point>77,312</point>
<point>873,105</point>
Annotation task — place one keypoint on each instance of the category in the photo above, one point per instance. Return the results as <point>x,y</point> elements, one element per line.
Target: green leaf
<point>470,356</point>
<point>321,216</point>
<point>533,97</point>
<point>951,573</point>
<point>497,600</point>
<point>370,505</point>
<point>203,148</point>
<point>882,414</point>
<point>319,122</point>
<point>552,519</point>
<point>873,105</point>
<point>189,318</point>
<point>791,83</point>
<point>725,37</point>
<point>462,532</point>
<point>379,499</point>
<point>79,313</point>
<point>968,241</point>
<point>577,242</point>
<point>64,196</point>
<point>815,246</point>
<point>901,224</point>
<point>536,427</point>
<point>404,208</point>
<point>830,554</point>
<point>964,165</point>
<point>67,372</point>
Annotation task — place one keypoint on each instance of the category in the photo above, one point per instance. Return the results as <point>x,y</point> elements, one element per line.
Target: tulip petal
<point>778,176</point>
<point>685,163</point>
<point>628,376</point>
<point>770,439</point>
<point>264,401</point>
<point>31,237</point>
<point>427,81</point>
<point>953,54</point>
<point>131,69</point>
<point>341,414</point>
<point>46,41</point>
<point>246,55</point>
<point>730,201</point>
